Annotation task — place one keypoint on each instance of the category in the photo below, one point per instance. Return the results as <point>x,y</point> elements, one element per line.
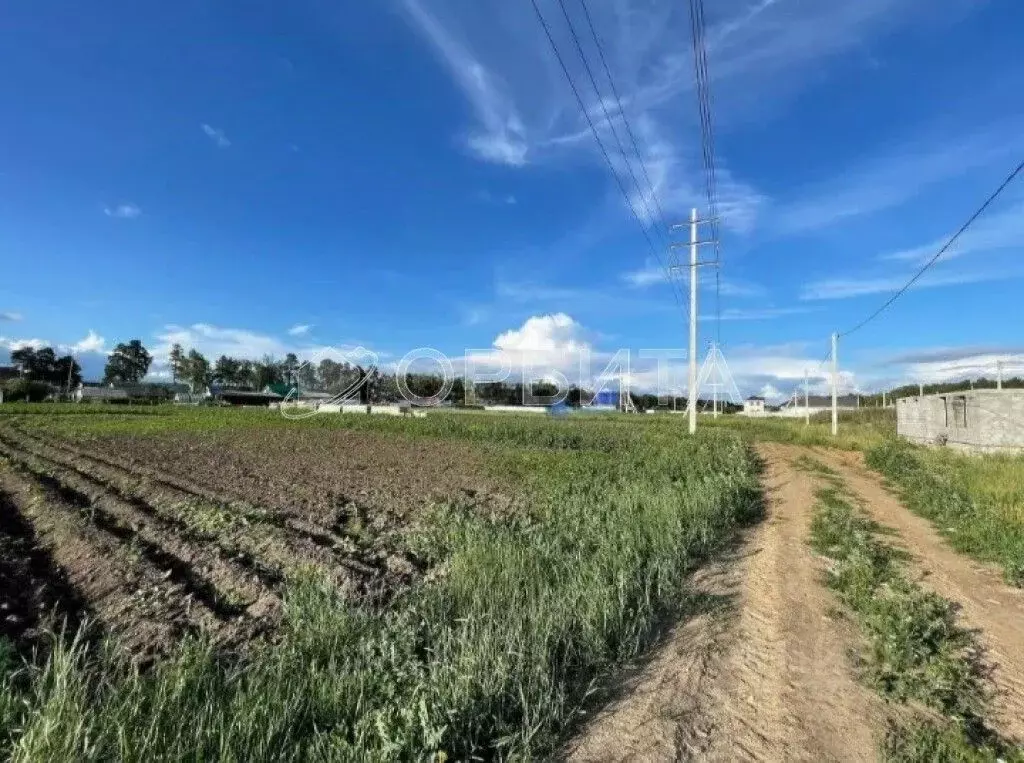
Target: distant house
<point>100,395</point>
<point>242,397</point>
<point>136,394</point>
<point>753,406</point>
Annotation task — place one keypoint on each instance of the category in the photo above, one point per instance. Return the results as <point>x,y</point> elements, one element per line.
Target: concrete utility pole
<point>920,389</point>
<point>694,264</point>
<point>693,321</point>
<point>807,400</point>
<point>835,384</point>
<point>999,374</point>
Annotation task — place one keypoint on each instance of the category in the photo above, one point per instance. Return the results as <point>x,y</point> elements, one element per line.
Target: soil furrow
<point>88,571</point>
<point>226,591</point>
<point>292,541</point>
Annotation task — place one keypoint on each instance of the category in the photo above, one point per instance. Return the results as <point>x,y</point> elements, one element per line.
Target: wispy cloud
<point>845,288</point>
<point>12,317</point>
<point>653,273</point>
<point>1000,230</point>
<point>300,329</point>
<point>123,211</point>
<point>758,314</point>
<point>956,363</point>
<point>500,135</point>
<point>216,135</point>
<point>897,176</point>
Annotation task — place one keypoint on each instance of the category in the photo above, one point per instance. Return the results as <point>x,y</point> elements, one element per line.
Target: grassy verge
<point>491,657</point>
<point>916,653</point>
<point>858,430</point>
<point>976,502</point>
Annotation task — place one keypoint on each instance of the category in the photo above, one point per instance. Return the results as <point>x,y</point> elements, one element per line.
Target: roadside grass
<point>493,657</point>
<point>858,430</point>
<point>916,653</point>
<point>976,502</point>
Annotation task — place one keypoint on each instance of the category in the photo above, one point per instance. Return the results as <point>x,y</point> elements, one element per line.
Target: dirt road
<point>986,603</point>
<point>771,681</point>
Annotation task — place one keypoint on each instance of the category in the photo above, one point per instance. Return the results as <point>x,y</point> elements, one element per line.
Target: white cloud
<point>17,344</point>
<point>300,329</point>
<point>896,176</point>
<point>216,135</point>
<point>650,274</point>
<point>93,342</point>
<point>123,211</point>
<point>757,314</point>
<point>499,135</point>
<point>998,231</point>
<point>214,341</point>
<point>11,317</point>
<point>544,343</point>
<point>845,288</point>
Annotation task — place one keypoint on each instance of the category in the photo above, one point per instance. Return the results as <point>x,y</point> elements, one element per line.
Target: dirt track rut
<point>986,603</point>
<point>775,683</point>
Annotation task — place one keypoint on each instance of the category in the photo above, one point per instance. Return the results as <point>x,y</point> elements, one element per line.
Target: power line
<point>604,151</point>
<point>607,116</point>
<point>622,113</point>
<point>700,67</point>
<point>941,251</point>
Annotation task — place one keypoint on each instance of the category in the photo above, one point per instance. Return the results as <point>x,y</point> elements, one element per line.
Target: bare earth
<point>775,683</point>
<point>986,603</point>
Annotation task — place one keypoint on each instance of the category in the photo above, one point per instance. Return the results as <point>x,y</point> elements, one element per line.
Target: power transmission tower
<point>694,264</point>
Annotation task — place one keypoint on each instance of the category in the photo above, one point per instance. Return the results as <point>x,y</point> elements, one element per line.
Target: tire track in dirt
<point>771,681</point>
<point>987,605</point>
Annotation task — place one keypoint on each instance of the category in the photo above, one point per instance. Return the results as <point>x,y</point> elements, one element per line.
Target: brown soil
<point>269,543</point>
<point>986,603</point>
<point>72,569</point>
<point>771,681</point>
<point>320,475</point>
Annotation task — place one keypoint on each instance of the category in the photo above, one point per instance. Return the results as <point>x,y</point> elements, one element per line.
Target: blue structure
<point>606,399</point>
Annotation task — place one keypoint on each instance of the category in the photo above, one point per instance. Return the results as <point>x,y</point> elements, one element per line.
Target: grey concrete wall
<point>979,420</point>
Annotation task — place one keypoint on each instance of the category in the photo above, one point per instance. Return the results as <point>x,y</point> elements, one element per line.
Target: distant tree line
<point>129,363</point>
<point>912,390</point>
<point>40,372</point>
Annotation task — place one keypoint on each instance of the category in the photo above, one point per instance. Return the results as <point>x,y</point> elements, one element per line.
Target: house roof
<point>822,401</point>
<point>755,398</point>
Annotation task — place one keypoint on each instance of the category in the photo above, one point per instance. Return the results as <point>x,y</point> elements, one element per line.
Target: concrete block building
<point>982,420</point>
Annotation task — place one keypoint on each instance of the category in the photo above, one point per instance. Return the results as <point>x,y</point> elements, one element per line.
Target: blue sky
<point>259,178</point>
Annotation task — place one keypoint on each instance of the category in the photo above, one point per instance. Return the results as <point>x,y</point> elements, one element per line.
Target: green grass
<point>916,653</point>
<point>858,430</point>
<point>976,502</point>
<point>493,657</point>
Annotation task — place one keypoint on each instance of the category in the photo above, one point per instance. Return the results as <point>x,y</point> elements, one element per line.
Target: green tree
<point>227,370</point>
<point>127,364</point>
<point>176,360</point>
<point>197,371</point>
<point>67,373</point>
